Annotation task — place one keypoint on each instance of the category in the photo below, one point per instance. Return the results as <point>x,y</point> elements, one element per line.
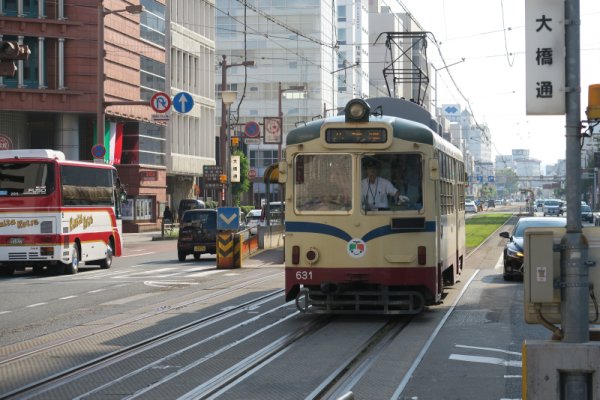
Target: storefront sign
<point>5,143</point>
<point>149,175</point>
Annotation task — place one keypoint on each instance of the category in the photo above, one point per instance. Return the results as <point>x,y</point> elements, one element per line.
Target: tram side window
<point>323,182</point>
<point>86,186</point>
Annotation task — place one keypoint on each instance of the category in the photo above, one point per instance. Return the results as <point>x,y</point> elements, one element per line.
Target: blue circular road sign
<point>252,129</point>
<point>98,151</point>
<point>183,102</point>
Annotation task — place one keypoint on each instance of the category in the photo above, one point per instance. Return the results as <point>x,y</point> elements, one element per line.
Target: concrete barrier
<point>270,237</point>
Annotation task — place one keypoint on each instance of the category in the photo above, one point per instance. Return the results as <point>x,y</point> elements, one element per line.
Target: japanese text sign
<point>545,57</point>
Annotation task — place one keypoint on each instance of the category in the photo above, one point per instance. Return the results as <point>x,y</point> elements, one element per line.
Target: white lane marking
<point>485,360</point>
<point>150,271</point>
<point>137,255</point>
<point>513,376</point>
<point>201,274</point>
<point>163,284</point>
<point>514,353</point>
<point>67,297</point>
<point>5,312</point>
<point>36,305</point>
<point>433,335</point>
<point>500,262</point>
<point>127,299</point>
<point>97,291</point>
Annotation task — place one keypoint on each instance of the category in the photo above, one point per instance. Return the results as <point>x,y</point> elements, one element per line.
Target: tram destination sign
<point>211,173</point>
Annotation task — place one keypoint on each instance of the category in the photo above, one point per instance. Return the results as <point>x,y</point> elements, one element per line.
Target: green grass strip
<point>479,227</point>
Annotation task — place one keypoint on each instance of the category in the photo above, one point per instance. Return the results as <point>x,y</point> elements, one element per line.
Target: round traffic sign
<point>252,129</point>
<point>183,102</point>
<point>160,102</point>
<point>252,173</point>
<point>98,151</point>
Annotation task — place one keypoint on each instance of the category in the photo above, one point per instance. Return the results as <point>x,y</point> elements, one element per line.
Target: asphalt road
<point>469,347</point>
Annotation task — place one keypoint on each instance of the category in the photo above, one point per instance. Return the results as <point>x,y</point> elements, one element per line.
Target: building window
<point>152,77</point>
<point>30,66</point>
<point>341,13</point>
<point>152,22</point>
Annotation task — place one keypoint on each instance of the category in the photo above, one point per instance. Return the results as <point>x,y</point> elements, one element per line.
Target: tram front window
<point>323,182</point>
<point>391,182</point>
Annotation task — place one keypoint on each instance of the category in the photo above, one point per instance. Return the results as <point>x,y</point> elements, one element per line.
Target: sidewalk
<point>142,237</point>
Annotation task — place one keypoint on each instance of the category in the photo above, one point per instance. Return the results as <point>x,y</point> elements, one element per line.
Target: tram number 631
<point>303,275</point>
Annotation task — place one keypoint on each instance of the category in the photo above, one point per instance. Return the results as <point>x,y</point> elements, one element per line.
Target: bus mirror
<point>123,196</point>
<point>434,169</point>
<point>282,167</point>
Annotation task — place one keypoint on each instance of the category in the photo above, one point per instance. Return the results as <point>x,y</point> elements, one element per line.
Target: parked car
<point>470,207</point>
<point>188,204</point>
<point>491,204</point>
<point>552,207</point>
<point>513,250</point>
<point>586,213</point>
<point>197,233</point>
<point>253,220</point>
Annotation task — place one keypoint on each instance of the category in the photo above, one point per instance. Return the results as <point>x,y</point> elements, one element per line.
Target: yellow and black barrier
<point>225,250</point>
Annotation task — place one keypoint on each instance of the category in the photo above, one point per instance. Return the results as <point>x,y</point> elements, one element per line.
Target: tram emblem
<point>357,248</point>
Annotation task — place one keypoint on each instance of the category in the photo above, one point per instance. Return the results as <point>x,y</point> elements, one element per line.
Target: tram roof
<point>403,129</point>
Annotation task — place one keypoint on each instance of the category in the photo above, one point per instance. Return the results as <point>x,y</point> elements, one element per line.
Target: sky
<point>490,36</point>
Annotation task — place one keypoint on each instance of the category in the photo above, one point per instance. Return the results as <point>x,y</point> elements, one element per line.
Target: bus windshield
<point>26,179</point>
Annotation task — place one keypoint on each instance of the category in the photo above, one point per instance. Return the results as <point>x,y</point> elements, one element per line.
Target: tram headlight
<point>312,255</point>
<point>357,110</point>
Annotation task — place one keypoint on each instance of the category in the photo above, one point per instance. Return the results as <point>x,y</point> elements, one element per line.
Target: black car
<point>197,233</point>
<point>513,250</point>
<point>586,213</point>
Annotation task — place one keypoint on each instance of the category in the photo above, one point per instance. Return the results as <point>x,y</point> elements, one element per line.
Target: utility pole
<point>223,130</point>
<point>574,282</point>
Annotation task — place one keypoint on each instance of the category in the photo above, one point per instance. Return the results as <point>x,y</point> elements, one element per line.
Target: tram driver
<point>376,189</point>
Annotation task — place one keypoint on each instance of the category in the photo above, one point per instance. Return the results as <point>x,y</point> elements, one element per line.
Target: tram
<point>374,218</point>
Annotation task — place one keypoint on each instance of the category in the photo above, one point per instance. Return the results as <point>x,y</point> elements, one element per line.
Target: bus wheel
<point>7,271</point>
<point>72,267</point>
<point>107,262</point>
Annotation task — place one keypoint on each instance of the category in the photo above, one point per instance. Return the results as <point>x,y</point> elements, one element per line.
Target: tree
<point>237,188</point>
<point>509,179</point>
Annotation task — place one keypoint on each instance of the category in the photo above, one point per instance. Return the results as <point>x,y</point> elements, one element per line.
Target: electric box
<point>541,273</point>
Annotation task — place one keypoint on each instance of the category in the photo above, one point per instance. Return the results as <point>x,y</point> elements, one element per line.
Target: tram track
<point>16,360</point>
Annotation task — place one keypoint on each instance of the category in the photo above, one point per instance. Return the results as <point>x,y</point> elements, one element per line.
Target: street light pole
<point>102,12</point>
<point>300,88</point>
<point>224,125</point>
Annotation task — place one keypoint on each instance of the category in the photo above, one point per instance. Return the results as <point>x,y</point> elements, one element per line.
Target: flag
<point>113,142</point>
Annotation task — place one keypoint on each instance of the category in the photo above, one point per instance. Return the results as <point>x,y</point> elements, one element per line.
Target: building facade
<point>53,100</point>
<point>190,144</point>
<point>293,47</point>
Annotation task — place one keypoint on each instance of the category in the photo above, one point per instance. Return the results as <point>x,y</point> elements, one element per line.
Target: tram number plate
<point>15,241</point>
<point>199,248</point>
<point>304,275</point>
